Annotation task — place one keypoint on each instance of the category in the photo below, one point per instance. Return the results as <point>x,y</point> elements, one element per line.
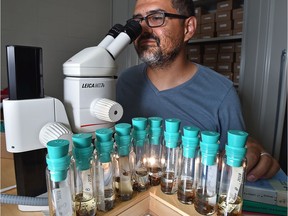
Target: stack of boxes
<point>222,56</point>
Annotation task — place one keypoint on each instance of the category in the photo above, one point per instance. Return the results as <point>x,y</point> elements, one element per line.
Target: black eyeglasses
<point>157,19</point>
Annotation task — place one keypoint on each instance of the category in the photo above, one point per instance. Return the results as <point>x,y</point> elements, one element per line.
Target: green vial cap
<point>139,135</point>
<point>104,147</point>
<point>171,139</point>
<point>237,138</point>
<point>189,131</point>
<point>155,140</point>
<point>123,129</point>
<point>190,142</point>
<point>235,155</point>
<point>189,152</point>
<point>209,148</point>
<point>155,122</point>
<point>57,148</point>
<point>208,159</point>
<point>123,151</point>
<point>82,140</point>
<point>82,157</point>
<point>58,167</point>
<point>172,125</point>
<point>155,132</point>
<point>104,134</point>
<point>105,157</point>
<point>123,140</point>
<point>139,123</point>
<point>210,136</point>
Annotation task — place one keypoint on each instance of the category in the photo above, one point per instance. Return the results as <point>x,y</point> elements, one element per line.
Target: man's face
<point>160,45</point>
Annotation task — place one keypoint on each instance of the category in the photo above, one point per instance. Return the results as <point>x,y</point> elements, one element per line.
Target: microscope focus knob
<point>54,131</point>
<point>106,110</point>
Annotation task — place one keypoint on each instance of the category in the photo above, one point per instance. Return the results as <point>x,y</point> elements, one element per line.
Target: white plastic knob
<point>106,110</point>
<point>53,131</point>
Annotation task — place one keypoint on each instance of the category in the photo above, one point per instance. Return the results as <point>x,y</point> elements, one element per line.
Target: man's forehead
<point>145,7</point>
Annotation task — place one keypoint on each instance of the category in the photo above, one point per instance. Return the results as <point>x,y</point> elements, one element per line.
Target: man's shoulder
<point>133,70</point>
<point>213,78</point>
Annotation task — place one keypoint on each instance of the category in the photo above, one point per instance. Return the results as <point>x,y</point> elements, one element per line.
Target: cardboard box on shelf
<point>211,48</point>
<point>237,32</point>
<point>208,58</point>
<point>238,23</point>
<point>224,25</point>
<point>199,11</point>
<point>223,15</point>
<point>207,35</point>
<point>197,58</point>
<point>236,67</point>
<point>208,18</point>
<point>237,56</point>
<point>237,46</point>
<point>224,67</point>
<point>226,57</point>
<point>236,77</point>
<point>194,49</point>
<point>227,5</point>
<point>226,47</point>
<point>237,13</point>
<point>224,33</point>
<point>207,27</point>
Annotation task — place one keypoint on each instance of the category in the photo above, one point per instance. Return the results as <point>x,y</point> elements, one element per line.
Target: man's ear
<point>190,28</point>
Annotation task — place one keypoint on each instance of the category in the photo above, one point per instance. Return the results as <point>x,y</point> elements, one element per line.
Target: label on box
<point>224,25</point>
<point>237,13</point>
<point>211,48</point>
<point>225,33</point>
<point>208,18</point>
<point>226,57</point>
<point>223,15</point>
<point>226,47</point>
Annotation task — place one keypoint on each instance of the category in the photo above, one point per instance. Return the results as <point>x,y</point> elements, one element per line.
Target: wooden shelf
<point>204,40</point>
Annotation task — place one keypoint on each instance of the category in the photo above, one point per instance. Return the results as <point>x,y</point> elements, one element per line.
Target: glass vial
<point>155,136</point>
<point>57,177</point>
<point>140,144</point>
<point>206,189</point>
<point>186,185</point>
<point>230,200</point>
<point>83,186</point>
<point>104,169</point>
<point>170,156</point>
<point>124,179</point>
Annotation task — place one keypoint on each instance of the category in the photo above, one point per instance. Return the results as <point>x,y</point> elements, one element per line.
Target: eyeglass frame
<point>165,14</point>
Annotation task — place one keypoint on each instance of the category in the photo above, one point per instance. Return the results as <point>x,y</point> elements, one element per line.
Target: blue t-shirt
<point>207,101</point>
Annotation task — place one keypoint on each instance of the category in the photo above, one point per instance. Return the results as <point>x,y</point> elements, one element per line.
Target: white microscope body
<point>89,90</point>
<point>90,83</point>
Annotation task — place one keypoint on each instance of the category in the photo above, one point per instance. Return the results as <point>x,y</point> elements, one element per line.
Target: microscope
<point>90,83</point>
<point>32,119</point>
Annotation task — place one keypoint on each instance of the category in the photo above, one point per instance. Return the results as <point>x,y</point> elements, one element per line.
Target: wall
<point>122,11</point>
<point>61,28</point>
<point>263,81</point>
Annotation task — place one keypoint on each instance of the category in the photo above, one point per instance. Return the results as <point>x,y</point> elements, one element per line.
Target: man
<point>168,85</point>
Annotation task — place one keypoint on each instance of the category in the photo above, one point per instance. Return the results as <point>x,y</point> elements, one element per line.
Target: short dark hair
<point>184,7</point>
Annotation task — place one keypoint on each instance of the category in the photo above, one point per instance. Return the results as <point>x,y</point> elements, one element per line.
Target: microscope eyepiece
<point>116,30</point>
<point>133,29</point>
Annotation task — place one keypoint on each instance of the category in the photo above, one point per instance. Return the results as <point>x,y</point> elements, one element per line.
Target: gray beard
<point>158,59</point>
